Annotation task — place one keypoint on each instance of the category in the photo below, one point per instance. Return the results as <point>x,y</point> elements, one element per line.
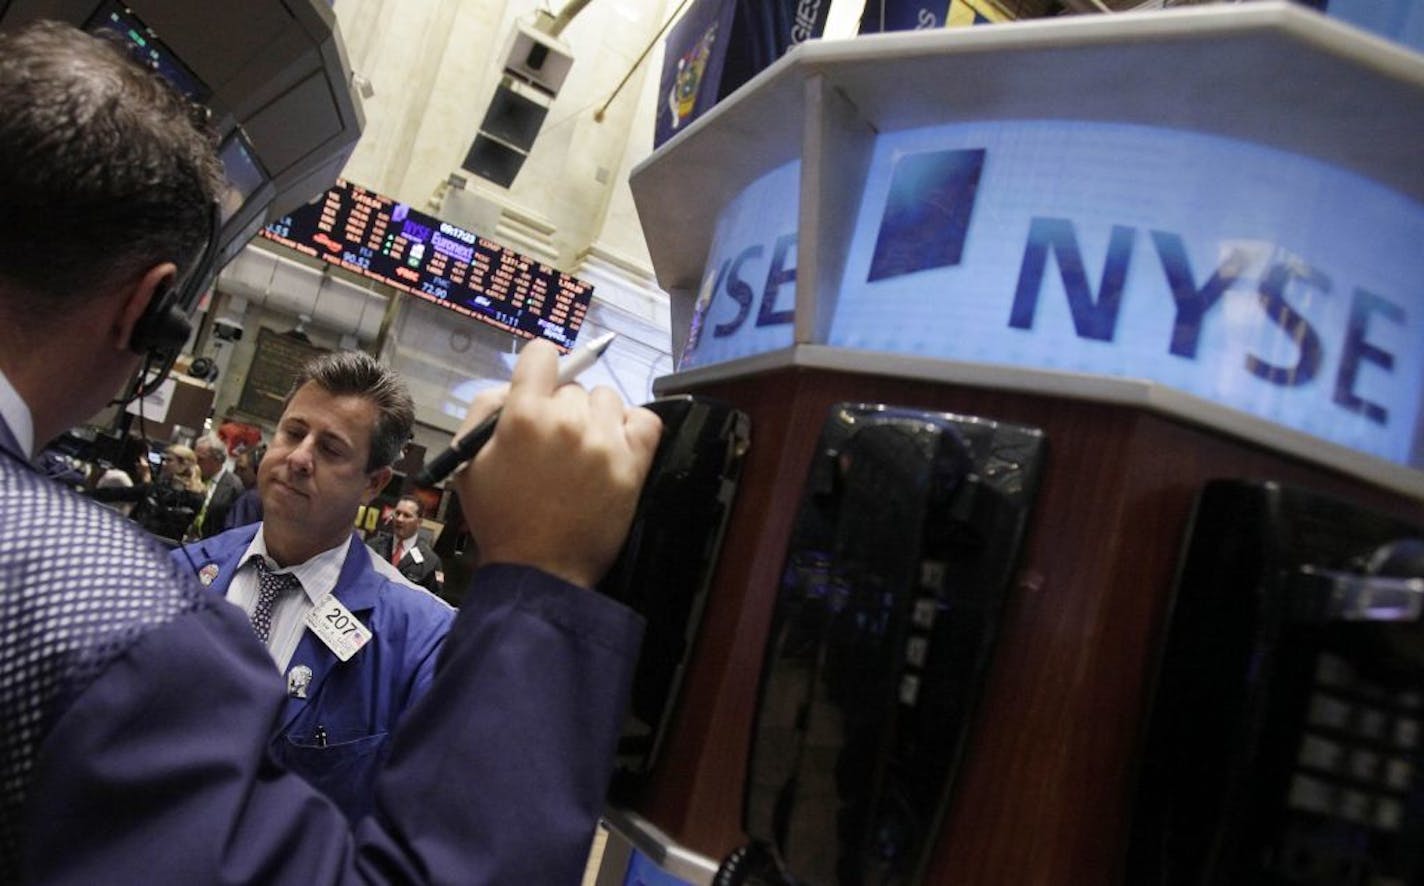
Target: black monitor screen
<point>244,174</point>
<point>119,21</point>
<point>373,235</point>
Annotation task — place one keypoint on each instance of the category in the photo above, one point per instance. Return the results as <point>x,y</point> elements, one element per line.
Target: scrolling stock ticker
<point>372,235</point>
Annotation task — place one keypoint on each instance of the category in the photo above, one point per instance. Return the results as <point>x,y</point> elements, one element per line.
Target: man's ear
<point>139,294</point>
<point>375,482</point>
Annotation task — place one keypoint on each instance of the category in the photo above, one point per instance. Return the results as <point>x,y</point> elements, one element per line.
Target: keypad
<point>1356,760</point>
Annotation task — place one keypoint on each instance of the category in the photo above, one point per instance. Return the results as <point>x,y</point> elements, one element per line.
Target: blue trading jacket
<point>136,712</point>
<point>336,726</point>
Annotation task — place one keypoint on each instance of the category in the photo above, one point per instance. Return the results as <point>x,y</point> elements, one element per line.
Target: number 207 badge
<point>335,626</point>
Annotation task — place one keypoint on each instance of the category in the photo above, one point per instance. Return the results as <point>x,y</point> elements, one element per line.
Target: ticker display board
<point>372,235</point>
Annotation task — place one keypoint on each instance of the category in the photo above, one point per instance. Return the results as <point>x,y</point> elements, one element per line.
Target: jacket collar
<point>15,422</point>
<point>11,446</point>
<point>358,589</point>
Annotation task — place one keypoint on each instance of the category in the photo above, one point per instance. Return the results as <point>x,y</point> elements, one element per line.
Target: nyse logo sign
<point>924,226</point>
<point>1095,313</point>
<point>739,280</point>
<point>926,220</point>
<point>1182,275</point>
<point>1265,281</point>
<point>748,295</point>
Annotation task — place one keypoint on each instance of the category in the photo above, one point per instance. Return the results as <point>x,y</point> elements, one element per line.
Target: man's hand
<point>556,486</point>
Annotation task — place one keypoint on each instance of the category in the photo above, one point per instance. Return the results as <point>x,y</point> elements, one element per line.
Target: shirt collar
<point>16,414</point>
<point>212,484</point>
<point>318,575</point>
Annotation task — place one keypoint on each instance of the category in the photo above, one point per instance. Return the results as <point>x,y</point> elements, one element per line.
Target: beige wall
<point>433,66</point>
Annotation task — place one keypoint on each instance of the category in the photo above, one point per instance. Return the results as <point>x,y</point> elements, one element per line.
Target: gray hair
<point>211,442</point>
<point>356,373</point>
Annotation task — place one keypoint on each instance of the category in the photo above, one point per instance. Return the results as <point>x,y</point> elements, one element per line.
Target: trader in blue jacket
<point>135,706</point>
<point>342,428</point>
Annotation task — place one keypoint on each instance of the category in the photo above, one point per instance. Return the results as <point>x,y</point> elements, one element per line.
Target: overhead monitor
<point>271,76</point>
<point>375,236</point>
<point>143,44</point>
<point>245,175</point>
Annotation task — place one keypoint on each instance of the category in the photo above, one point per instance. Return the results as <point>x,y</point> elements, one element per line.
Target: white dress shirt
<point>17,415</point>
<point>318,577</point>
<point>213,486</point>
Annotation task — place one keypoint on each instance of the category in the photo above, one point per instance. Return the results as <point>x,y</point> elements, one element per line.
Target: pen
<point>469,445</point>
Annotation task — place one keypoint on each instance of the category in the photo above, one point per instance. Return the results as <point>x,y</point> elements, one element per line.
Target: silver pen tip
<point>600,344</point>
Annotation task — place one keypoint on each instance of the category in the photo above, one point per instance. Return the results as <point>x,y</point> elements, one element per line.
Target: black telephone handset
<point>665,567</point>
<point>1284,742</point>
<point>899,561</point>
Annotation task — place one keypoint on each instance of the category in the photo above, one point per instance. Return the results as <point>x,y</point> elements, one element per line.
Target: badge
<point>335,626</point>
<point>416,555</point>
<point>298,678</point>
<point>207,574</point>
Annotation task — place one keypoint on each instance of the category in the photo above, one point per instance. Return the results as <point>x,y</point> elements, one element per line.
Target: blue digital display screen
<point>643,871</point>
<point>746,303</point>
<point>1264,281</point>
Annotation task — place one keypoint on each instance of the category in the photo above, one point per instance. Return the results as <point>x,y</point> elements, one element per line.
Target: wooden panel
<point>278,360</point>
<point>1044,793</point>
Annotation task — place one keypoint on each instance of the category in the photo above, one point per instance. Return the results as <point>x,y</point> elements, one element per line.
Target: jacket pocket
<point>343,770</point>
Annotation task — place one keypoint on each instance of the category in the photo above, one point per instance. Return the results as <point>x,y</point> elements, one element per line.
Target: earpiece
<point>164,325</point>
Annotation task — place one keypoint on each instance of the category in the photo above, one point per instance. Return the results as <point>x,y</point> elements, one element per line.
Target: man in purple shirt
<point>135,708</point>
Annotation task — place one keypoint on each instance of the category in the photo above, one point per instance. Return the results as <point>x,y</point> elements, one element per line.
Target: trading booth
<point>1078,536</point>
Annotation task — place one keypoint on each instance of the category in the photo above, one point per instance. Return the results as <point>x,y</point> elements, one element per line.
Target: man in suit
<point>137,705</point>
<point>247,508</point>
<point>342,428</point>
<point>222,487</point>
<point>404,548</point>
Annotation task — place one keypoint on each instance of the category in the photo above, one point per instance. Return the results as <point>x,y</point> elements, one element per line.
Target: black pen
<point>469,445</point>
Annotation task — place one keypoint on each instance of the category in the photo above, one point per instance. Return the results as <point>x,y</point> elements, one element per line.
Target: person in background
<point>343,426</point>
<point>406,550</point>
<point>244,465</point>
<point>238,436</point>
<point>179,469</point>
<point>61,468</point>
<point>220,487</point>
<point>166,506</point>
<point>115,478</point>
<point>248,506</point>
<point>135,706</point>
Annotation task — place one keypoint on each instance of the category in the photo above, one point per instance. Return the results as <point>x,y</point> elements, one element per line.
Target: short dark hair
<point>357,373</point>
<point>419,505</point>
<point>254,454</point>
<point>106,169</point>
